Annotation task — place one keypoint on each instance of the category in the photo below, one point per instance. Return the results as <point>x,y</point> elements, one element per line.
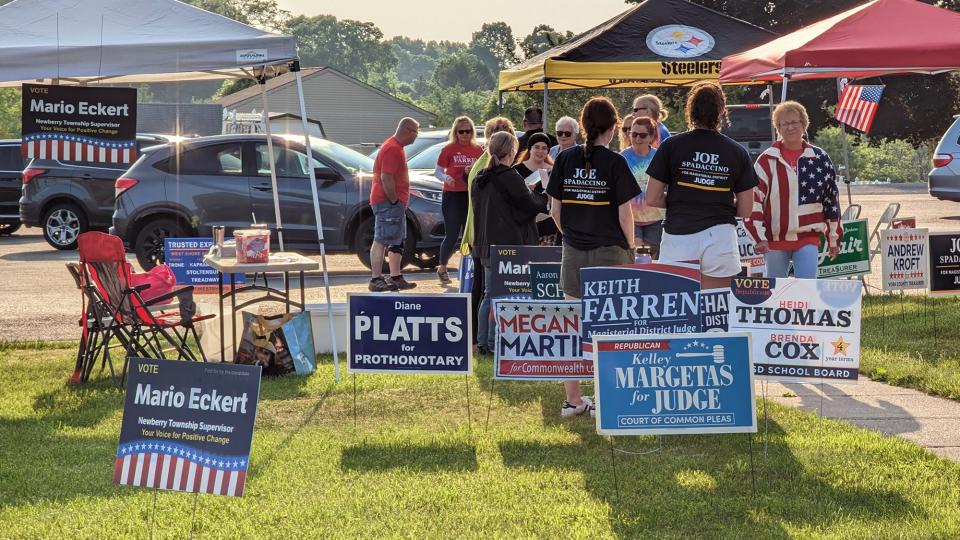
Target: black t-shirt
<point>702,170</point>
<point>591,198</point>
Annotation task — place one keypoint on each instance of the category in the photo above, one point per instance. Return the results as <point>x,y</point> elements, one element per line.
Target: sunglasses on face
<point>464,131</point>
<point>625,130</point>
<point>639,134</point>
<point>638,109</point>
<point>564,134</point>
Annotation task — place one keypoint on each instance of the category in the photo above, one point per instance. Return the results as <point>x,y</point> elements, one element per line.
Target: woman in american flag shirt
<point>796,199</point>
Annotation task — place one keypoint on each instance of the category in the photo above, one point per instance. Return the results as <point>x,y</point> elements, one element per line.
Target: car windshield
<point>426,159</point>
<point>345,157</point>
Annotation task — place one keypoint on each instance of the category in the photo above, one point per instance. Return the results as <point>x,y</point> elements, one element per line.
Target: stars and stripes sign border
<point>858,106</point>
<point>177,467</point>
<point>66,147</point>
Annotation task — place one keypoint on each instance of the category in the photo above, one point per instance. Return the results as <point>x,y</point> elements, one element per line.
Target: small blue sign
<point>422,333</point>
<point>715,309</point>
<point>674,384</point>
<point>545,281</point>
<point>187,426</point>
<point>185,257</point>
<point>639,299</point>
<point>466,274</point>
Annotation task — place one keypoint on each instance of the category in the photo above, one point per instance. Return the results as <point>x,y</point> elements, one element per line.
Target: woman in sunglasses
<point>567,129</point>
<point>647,220</point>
<point>624,134</point>
<point>796,199</point>
<point>650,105</point>
<point>453,165</point>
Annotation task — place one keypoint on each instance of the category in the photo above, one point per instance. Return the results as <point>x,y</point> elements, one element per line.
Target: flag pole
<point>846,147</point>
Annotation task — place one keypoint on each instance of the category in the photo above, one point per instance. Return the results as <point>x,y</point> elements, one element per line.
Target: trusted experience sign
<point>803,330</point>
<point>410,333</point>
<point>649,298</point>
<point>674,384</point>
<point>187,426</point>
<point>185,256</point>
<point>538,340</point>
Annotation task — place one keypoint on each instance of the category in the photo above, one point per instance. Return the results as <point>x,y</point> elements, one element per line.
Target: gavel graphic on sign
<point>717,354</point>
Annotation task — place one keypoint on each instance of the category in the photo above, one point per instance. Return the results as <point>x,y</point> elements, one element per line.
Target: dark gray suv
<point>225,180</point>
<point>11,173</point>
<point>66,198</point>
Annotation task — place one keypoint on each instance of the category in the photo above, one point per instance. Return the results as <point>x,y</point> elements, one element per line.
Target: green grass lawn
<point>414,467</point>
<point>912,341</point>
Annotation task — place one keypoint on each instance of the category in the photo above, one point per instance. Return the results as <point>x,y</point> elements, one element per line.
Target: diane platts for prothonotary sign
<point>674,384</point>
<point>187,426</point>
<point>422,333</point>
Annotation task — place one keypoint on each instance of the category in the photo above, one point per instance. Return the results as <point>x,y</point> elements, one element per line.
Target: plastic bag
<point>282,344</point>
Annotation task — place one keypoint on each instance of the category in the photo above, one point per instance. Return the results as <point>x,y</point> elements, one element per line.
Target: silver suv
<point>944,179</point>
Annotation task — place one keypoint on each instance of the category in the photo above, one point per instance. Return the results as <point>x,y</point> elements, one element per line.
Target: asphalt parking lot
<point>40,301</point>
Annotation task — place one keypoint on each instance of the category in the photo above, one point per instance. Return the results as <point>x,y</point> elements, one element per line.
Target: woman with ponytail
<point>504,213</point>
<point>590,189</point>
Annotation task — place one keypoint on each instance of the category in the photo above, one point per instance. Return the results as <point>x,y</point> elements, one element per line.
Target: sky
<point>456,20</point>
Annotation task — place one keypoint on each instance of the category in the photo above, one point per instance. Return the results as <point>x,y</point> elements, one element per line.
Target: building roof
<point>281,81</point>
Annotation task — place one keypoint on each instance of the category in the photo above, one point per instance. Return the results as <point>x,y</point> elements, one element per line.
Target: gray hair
<point>568,121</point>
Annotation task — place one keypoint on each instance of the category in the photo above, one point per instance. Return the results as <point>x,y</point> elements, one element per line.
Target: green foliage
<point>495,42</point>
<point>265,14</point>
<point>542,39</point>
<point>10,113</point>
<point>463,70</point>
<point>353,47</point>
<point>450,102</point>
<point>896,160</point>
<point>230,86</point>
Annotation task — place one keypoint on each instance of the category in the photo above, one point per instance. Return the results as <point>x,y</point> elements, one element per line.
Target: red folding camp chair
<point>120,309</point>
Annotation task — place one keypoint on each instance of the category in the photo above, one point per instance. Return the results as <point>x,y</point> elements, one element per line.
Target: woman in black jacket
<point>504,213</point>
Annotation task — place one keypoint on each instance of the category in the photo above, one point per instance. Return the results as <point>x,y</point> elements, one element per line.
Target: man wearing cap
<point>533,123</point>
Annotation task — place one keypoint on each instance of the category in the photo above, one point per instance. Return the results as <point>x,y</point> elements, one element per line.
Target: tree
<point>495,41</point>
<point>9,113</point>
<point>353,47</point>
<point>542,39</point>
<point>265,14</point>
<point>463,70</point>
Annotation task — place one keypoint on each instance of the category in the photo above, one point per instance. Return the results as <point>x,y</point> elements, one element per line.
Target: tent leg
<point>262,82</point>
<point>846,151</point>
<point>500,101</point>
<point>770,100</point>
<point>783,89</point>
<point>316,210</point>
<point>545,94</point>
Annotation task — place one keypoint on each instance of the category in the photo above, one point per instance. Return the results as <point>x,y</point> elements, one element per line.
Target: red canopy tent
<point>881,37</point>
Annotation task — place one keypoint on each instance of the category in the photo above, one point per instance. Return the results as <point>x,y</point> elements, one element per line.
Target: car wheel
<point>63,224</point>
<point>9,228</point>
<point>149,243</point>
<point>363,239</point>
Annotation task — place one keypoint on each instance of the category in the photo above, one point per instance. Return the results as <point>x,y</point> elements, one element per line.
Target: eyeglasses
<point>464,131</point>
<point>564,133</point>
<point>639,134</point>
<point>625,130</point>
<point>638,109</point>
<point>790,125</point>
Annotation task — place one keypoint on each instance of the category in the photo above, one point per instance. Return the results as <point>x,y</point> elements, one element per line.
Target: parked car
<point>750,126</point>
<point>66,198</point>
<point>225,179</point>
<point>426,139</point>
<point>11,174</point>
<point>944,178</point>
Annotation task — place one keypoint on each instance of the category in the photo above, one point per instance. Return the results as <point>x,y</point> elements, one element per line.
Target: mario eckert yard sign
<point>79,123</point>
<point>187,426</point>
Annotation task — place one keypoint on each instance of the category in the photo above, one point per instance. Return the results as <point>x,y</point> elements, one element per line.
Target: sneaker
<point>484,350</point>
<point>380,284</point>
<point>569,409</point>
<point>401,284</point>
<point>444,277</point>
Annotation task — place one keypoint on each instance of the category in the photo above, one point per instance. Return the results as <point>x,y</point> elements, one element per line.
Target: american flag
<point>67,147</point>
<point>163,465</point>
<point>858,105</point>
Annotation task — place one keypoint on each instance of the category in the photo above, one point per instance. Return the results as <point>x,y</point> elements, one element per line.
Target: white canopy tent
<point>86,42</point>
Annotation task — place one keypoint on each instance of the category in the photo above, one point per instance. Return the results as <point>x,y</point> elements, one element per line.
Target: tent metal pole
<point>846,149</point>
<point>316,210</point>
<point>783,89</point>
<point>500,101</point>
<point>262,82</point>
<point>545,94</point>
<point>773,130</point>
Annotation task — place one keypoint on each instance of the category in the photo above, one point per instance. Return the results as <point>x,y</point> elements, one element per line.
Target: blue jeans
<point>804,260</point>
<point>485,330</point>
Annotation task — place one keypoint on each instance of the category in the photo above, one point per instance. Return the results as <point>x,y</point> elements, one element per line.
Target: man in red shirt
<point>389,197</point>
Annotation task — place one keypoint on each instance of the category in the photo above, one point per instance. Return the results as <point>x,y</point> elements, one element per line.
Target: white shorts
<point>716,249</point>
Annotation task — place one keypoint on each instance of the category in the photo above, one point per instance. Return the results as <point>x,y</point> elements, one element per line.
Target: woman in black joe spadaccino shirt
<point>711,183</point>
<point>591,188</point>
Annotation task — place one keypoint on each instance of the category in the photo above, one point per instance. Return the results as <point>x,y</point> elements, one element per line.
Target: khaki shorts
<point>572,260</point>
